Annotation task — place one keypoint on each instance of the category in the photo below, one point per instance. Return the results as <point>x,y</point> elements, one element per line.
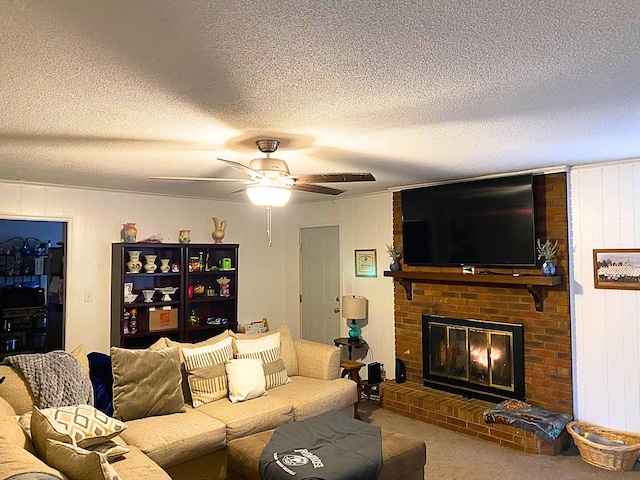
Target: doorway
<point>320,283</point>
<point>32,280</point>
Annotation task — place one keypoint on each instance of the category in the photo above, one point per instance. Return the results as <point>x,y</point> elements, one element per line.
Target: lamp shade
<point>268,196</point>
<point>354,307</point>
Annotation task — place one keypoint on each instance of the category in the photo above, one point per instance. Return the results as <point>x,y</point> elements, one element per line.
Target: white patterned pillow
<point>78,463</point>
<point>81,425</point>
<point>206,373</point>
<point>267,350</point>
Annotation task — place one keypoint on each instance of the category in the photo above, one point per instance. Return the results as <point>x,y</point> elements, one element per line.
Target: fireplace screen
<point>479,356</point>
<point>462,353</point>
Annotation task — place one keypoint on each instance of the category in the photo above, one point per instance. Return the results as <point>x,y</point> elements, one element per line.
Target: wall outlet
<point>469,270</point>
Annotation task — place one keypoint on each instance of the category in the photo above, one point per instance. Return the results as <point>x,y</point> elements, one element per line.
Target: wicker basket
<point>620,458</point>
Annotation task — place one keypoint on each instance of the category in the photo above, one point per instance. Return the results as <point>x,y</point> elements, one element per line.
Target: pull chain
<point>269,225</point>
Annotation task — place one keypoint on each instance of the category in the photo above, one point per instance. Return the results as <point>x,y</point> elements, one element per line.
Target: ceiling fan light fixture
<point>268,195</point>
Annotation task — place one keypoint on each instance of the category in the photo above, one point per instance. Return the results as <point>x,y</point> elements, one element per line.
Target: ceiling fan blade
<point>202,179</point>
<point>335,177</point>
<point>243,168</point>
<point>309,187</point>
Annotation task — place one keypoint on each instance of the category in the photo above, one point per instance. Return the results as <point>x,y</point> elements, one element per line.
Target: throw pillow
<point>182,345</point>
<point>78,463</point>
<point>287,346</point>
<point>146,383</point>
<point>80,425</point>
<point>246,379</point>
<point>102,380</point>
<point>267,350</point>
<point>205,367</point>
<point>79,354</point>
<point>110,449</point>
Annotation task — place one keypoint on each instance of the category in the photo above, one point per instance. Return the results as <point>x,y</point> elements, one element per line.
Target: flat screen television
<point>478,223</point>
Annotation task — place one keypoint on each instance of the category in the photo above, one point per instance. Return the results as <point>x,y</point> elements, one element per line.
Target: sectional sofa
<point>186,442</point>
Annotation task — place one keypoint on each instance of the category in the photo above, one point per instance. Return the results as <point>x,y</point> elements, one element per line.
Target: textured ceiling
<point>107,93</point>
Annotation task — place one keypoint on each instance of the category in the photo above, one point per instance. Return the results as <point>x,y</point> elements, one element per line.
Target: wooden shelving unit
<point>198,293</point>
<point>536,285</point>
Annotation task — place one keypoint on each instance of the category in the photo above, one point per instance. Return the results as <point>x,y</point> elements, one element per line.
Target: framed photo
<point>617,268</point>
<point>366,263</point>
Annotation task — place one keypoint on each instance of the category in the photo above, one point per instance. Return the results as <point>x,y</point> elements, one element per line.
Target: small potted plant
<point>547,250</point>
<point>396,255</point>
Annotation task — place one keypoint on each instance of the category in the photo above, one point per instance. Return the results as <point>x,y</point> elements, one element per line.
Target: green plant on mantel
<point>394,253</point>
<point>546,250</point>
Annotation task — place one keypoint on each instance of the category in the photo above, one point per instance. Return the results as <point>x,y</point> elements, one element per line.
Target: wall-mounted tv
<point>486,222</point>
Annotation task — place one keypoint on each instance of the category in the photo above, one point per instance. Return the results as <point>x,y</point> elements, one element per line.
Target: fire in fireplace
<point>473,358</point>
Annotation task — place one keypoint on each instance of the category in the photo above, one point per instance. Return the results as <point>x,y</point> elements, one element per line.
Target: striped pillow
<point>266,349</point>
<point>205,367</point>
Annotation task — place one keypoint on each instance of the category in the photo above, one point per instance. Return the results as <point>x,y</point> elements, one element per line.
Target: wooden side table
<point>351,344</point>
<point>352,370</point>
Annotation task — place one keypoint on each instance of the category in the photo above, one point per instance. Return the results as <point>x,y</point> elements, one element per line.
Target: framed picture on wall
<point>617,268</point>
<point>366,263</point>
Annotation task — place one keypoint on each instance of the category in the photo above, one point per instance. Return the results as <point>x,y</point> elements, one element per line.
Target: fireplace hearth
<point>473,358</point>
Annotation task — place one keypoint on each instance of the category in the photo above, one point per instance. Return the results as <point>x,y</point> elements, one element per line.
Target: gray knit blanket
<point>56,378</point>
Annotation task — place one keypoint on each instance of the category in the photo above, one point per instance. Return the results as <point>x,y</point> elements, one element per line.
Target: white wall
<point>605,203</point>
<point>95,219</point>
<point>365,223</point>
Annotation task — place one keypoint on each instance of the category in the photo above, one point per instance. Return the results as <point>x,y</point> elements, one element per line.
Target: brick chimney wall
<point>547,336</point>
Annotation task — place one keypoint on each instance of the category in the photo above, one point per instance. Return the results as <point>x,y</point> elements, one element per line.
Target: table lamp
<point>354,308</point>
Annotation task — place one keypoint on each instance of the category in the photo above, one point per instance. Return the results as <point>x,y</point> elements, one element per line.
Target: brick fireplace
<point>547,336</point>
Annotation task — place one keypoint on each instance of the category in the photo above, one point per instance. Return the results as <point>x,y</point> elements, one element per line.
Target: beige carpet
<point>454,456</point>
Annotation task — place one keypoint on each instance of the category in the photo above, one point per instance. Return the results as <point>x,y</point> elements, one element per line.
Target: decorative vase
<point>150,263</point>
<point>129,232</point>
<point>184,236</point>
<point>548,268</point>
<point>148,295</point>
<point>134,264</point>
<point>395,266</point>
<point>218,233</point>
<point>164,265</point>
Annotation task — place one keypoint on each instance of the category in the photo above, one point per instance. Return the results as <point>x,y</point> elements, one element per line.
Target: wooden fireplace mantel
<point>536,285</point>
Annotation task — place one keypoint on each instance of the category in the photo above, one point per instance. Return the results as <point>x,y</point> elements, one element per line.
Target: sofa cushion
<point>267,350</point>
<point>12,432</point>
<point>78,463</point>
<point>205,367</point>
<point>249,417</point>
<point>287,348</point>
<point>310,397</point>
<point>15,390</point>
<point>80,425</point>
<point>146,382</point>
<point>16,460</point>
<point>6,410</point>
<point>136,465</point>
<point>176,438</point>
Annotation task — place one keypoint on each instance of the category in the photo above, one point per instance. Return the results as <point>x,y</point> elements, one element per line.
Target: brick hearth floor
<point>463,415</point>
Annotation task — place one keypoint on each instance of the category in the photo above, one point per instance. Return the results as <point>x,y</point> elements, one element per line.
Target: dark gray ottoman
<point>403,457</point>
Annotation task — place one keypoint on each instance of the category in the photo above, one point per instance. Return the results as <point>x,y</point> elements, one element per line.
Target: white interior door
<point>320,284</point>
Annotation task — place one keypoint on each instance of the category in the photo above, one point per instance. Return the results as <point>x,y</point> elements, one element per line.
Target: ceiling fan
<point>270,183</point>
